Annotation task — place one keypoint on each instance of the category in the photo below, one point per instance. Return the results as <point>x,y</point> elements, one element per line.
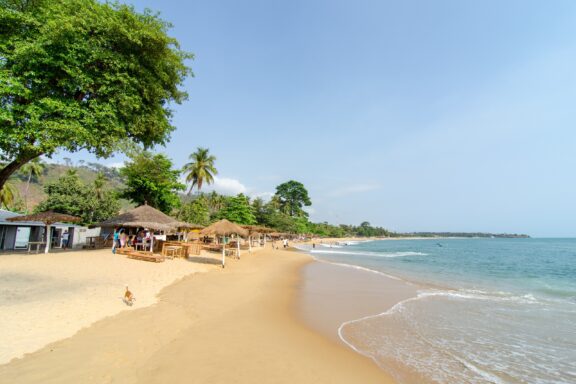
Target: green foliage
<point>292,197</point>
<point>72,196</point>
<point>215,203</point>
<point>150,179</point>
<point>238,210</point>
<point>82,74</point>
<point>196,211</point>
<point>201,169</point>
<point>8,196</point>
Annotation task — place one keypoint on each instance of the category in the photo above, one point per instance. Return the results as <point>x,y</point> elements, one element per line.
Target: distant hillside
<point>52,172</point>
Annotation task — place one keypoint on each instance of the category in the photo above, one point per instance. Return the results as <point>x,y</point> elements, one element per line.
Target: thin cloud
<point>227,186</point>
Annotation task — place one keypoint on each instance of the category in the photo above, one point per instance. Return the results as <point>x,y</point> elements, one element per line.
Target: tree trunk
<point>14,165</point>
<point>26,192</point>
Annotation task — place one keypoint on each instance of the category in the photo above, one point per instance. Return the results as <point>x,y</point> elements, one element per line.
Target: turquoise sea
<point>487,310</point>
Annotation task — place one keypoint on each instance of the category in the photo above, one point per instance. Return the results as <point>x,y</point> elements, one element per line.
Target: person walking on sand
<point>285,243</point>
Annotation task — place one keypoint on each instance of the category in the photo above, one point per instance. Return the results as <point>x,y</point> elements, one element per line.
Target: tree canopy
<point>196,211</point>
<point>292,197</point>
<point>238,210</point>
<point>150,179</point>
<point>72,196</point>
<point>82,74</point>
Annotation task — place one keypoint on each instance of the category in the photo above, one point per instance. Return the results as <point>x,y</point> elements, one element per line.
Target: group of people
<point>123,239</point>
<point>284,244</point>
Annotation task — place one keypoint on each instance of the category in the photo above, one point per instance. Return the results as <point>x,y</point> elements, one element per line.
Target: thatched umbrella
<point>188,226</point>
<point>143,216</point>
<point>48,218</point>
<point>256,229</point>
<point>225,228</point>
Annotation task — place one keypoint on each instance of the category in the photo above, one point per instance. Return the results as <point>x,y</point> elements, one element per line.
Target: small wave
<point>330,245</point>
<point>370,254</point>
<point>470,294</point>
<point>359,268</point>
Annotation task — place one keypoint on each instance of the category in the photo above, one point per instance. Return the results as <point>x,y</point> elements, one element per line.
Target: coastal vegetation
<point>92,202</point>
<point>150,179</point>
<point>96,192</point>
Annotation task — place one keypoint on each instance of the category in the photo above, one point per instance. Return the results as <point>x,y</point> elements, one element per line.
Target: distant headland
<point>465,234</point>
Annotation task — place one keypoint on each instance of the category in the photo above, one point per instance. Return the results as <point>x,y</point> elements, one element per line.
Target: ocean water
<point>487,310</point>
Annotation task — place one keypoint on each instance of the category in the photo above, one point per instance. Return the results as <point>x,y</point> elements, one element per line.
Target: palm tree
<point>215,202</point>
<point>200,169</point>
<point>32,169</point>
<point>99,183</point>
<point>8,194</point>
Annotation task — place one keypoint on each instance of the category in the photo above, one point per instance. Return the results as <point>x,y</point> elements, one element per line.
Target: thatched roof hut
<point>253,229</point>
<point>143,216</point>
<point>48,218</point>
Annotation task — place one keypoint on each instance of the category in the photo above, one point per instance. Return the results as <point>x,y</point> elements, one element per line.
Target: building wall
<point>10,237</point>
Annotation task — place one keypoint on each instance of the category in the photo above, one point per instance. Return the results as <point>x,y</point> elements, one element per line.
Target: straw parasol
<point>254,230</point>
<point>143,216</point>
<point>48,218</point>
<point>188,227</point>
<point>224,228</point>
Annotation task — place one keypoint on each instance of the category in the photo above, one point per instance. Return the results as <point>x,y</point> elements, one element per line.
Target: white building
<point>18,235</point>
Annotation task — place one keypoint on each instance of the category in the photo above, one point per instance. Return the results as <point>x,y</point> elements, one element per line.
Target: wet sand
<point>332,295</point>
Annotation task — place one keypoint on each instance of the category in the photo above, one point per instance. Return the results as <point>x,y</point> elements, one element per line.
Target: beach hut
<point>225,228</point>
<point>48,218</point>
<point>144,216</point>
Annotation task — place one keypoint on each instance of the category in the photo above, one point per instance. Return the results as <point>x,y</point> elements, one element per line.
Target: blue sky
<point>412,115</point>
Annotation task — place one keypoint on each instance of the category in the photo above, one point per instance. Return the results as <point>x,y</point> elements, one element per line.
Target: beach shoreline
<point>237,324</point>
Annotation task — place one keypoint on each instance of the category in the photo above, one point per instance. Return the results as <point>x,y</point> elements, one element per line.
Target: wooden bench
<point>145,256</point>
<point>124,251</point>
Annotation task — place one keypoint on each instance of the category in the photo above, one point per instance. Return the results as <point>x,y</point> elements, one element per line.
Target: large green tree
<point>238,210</point>
<point>201,169</point>
<point>151,179</point>
<point>72,196</point>
<point>83,74</point>
<point>196,211</point>
<point>292,198</point>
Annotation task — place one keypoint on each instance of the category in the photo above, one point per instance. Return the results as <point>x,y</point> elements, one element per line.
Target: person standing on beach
<point>65,238</point>
<point>123,238</point>
<point>115,240</point>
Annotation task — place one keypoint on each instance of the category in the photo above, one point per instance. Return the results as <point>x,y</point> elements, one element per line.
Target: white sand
<point>44,298</point>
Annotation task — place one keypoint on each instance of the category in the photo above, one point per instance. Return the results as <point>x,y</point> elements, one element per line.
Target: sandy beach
<point>48,297</point>
<point>241,324</point>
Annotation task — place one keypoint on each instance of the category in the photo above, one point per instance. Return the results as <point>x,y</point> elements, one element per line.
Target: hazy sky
<point>412,115</point>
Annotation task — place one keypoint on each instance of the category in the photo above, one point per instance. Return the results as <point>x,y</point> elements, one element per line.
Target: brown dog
<point>129,297</point>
